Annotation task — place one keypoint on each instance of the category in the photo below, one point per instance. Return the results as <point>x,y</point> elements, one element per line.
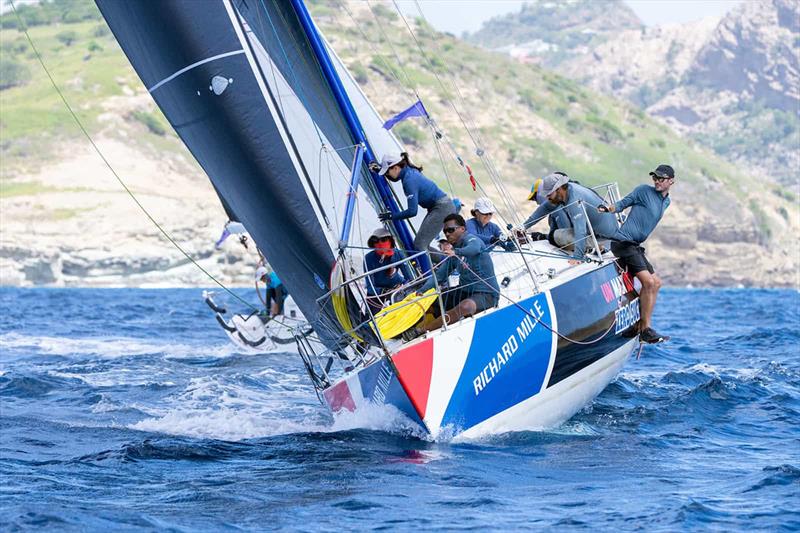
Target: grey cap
<point>550,183</point>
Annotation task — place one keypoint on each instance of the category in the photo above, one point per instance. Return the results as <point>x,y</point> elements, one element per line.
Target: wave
<point>785,474</point>
<point>109,347</point>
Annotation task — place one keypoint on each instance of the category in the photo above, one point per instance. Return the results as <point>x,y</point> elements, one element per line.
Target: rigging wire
<point>166,235</point>
<point>539,320</point>
<point>474,135</point>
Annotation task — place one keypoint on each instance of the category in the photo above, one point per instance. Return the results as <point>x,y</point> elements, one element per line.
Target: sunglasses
<point>450,229</point>
<point>656,178</point>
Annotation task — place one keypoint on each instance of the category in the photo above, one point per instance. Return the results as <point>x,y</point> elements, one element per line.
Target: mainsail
<point>239,82</point>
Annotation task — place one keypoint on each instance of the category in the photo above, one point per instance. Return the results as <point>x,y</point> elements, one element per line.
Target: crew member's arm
<point>411,188</point>
<point>405,268</point>
<point>625,203</point>
<point>441,275</point>
<point>471,248</point>
<point>542,211</point>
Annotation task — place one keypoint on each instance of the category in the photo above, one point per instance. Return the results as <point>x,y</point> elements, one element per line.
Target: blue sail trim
<point>355,178</point>
<point>350,116</point>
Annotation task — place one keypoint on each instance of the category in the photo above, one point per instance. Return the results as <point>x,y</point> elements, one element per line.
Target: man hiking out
<point>647,203</point>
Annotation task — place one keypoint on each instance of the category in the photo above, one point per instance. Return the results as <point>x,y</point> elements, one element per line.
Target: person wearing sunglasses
<point>384,252</point>
<point>477,289</point>
<point>647,203</point>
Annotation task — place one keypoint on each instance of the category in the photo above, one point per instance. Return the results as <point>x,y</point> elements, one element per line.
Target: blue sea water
<point>129,410</point>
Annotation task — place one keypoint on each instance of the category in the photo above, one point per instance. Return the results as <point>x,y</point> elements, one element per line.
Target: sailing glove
<point>385,216</point>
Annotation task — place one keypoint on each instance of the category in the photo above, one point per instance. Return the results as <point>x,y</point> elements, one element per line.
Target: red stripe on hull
<point>414,367</point>
<point>339,397</point>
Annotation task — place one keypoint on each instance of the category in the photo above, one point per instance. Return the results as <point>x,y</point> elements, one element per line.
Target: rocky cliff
<point>731,84</point>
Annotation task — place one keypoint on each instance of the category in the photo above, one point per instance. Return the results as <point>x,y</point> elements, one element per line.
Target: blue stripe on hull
<point>506,364</point>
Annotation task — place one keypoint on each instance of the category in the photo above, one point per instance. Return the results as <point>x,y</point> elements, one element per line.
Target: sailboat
<point>286,137</point>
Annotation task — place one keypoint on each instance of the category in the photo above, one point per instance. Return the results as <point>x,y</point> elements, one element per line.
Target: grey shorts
<point>483,300</point>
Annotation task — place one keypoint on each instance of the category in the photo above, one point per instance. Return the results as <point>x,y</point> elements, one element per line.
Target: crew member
<point>276,292</point>
<point>556,220</point>
<point>647,203</point>
<point>567,197</point>
<point>384,252</point>
<point>481,225</point>
<point>477,289</point>
<point>420,191</point>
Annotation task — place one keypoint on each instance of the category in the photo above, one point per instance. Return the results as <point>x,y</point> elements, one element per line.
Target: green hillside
<point>590,136</point>
<point>533,121</point>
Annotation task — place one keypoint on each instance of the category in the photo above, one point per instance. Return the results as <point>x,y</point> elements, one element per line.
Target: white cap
<point>261,272</point>
<point>389,160</point>
<point>484,206</point>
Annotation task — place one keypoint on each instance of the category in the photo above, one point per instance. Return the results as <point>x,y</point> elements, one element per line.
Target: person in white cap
<point>481,224</point>
<point>576,203</point>
<point>276,292</point>
<point>420,192</point>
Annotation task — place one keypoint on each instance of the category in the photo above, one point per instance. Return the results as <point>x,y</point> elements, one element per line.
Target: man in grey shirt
<point>647,204</point>
<point>574,202</point>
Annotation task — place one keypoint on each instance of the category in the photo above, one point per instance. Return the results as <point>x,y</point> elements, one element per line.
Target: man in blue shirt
<point>481,225</point>
<point>576,203</point>
<point>647,204</point>
<point>477,289</point>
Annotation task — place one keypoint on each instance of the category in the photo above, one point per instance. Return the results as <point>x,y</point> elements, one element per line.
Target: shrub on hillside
<point>101,30</point>
<point>383,12</point>
<point>17,46</point>
<point>13,73</point>
<point>150,120</point>
<point>409,133</point>
<point>359,73</point>
<point>94,47</point>
<point>66,37</point>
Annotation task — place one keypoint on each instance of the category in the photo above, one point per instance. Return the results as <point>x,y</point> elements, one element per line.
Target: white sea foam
<point>214,407</point>
<point>109,347</point>
<point>222,423</point>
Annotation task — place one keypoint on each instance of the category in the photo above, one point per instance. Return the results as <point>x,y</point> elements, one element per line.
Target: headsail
<point>237,82</point>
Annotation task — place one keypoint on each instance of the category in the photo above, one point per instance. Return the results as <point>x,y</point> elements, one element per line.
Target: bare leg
<point>467,307</point>
<point>647,297</point>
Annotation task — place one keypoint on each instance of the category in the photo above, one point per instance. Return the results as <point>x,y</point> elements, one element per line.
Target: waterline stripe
<point>193,65</point>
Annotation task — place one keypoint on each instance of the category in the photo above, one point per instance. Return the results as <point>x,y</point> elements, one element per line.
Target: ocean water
<point>129,410</point>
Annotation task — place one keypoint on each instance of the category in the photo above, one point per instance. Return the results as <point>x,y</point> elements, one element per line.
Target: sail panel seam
<point>193,65</point>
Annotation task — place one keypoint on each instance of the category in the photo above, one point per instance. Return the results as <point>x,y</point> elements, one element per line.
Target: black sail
<point>200,68</point>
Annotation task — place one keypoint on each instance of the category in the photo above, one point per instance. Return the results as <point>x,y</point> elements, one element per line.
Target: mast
<point>350,116</point>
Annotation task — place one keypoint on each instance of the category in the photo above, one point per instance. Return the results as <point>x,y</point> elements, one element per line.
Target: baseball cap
<point>663,171</point>
<point>484,206</point>
<point>550,183</point>
<point>389,160</point>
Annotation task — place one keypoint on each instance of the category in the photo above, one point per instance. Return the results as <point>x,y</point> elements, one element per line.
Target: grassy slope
<point>88,71</point>
<point>592,137</point>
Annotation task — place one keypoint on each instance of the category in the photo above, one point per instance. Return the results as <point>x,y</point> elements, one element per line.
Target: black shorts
<point>630,257</point>
<point>483,300</point>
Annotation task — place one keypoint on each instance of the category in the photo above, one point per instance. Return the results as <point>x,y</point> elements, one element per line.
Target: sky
<point>457,16</point>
